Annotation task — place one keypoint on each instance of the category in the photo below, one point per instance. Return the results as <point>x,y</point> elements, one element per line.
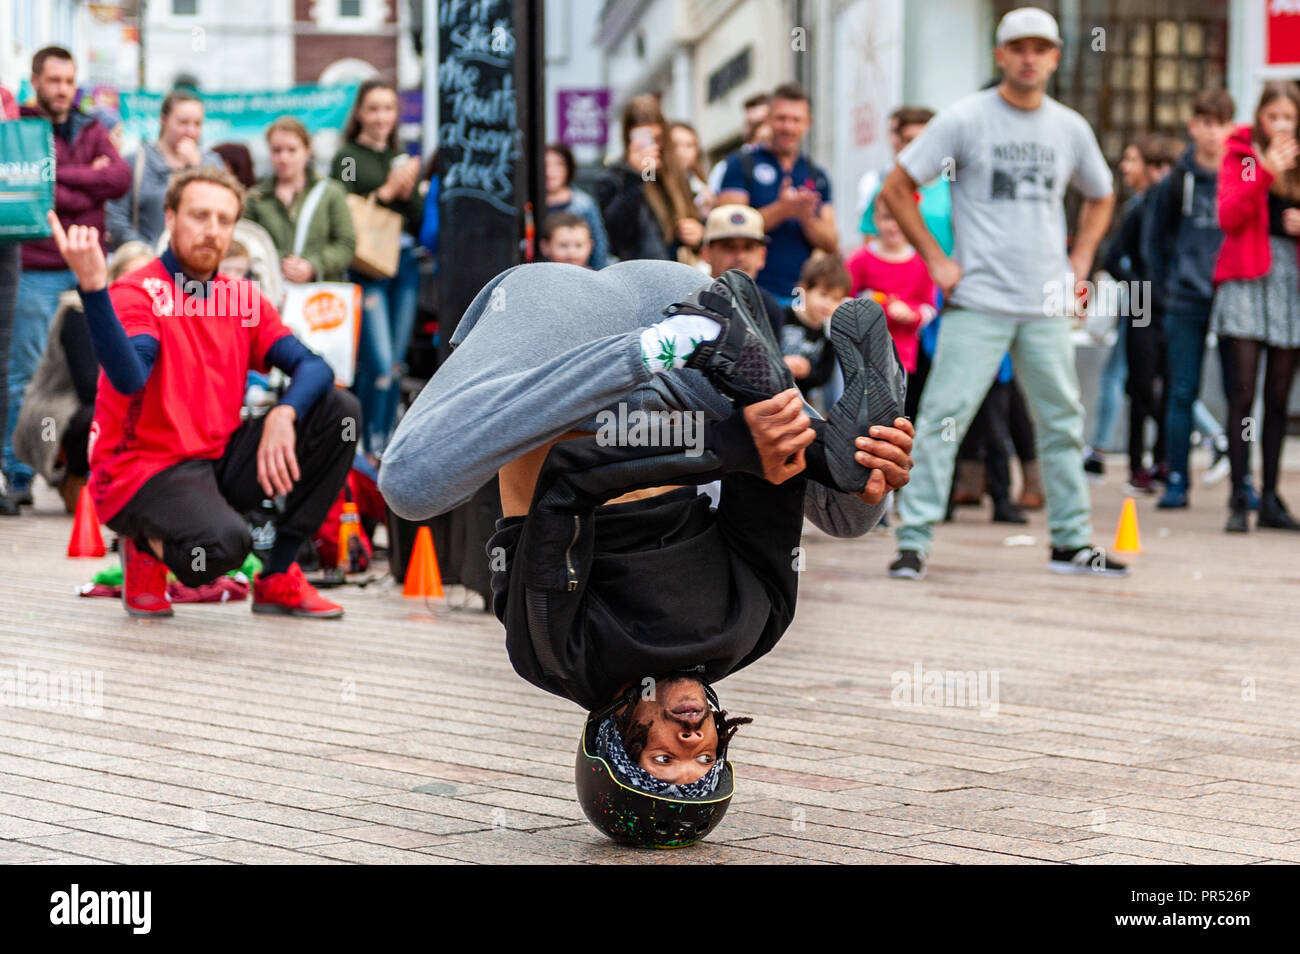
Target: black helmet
<point>636,818</point>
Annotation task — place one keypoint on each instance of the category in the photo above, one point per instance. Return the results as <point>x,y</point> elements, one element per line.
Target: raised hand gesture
<point>80,248</point>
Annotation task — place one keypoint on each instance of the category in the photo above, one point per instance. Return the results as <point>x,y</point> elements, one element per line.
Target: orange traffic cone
<point>422,576</point>
<point>86,539</point>
<point>1126,534</point>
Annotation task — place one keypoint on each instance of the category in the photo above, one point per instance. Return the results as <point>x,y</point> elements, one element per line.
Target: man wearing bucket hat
<point>1009,152</point>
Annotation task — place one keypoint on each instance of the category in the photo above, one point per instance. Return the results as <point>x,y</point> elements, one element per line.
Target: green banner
<point>26,179</point>
<point>243,115</point>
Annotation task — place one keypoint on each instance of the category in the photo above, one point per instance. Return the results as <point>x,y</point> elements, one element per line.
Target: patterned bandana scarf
<point>609,744</point>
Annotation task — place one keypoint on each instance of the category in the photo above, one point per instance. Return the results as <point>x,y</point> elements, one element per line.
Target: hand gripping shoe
<point>743,362</point>
<point>874,387</point>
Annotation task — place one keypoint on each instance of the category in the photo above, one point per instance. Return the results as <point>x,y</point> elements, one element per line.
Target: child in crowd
<point>889,270</point>
<point>1180,244</point>
<point>1145,163</point>
<point>566,238</point>
<point>823,284</point>
<point>237,263</point>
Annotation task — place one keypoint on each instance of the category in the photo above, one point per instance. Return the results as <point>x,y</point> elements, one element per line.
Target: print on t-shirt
<point>1023,170</point>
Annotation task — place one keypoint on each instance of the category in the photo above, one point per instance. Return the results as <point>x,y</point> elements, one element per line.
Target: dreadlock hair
<point>727,729</point>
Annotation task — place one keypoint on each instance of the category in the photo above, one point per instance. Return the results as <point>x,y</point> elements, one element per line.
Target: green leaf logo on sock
<point>667,353</point>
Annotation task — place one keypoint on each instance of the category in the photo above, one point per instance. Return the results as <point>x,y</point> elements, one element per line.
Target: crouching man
<point>173,469</point>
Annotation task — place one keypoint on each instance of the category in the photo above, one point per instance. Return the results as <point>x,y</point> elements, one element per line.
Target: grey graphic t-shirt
<point>1009,169</point>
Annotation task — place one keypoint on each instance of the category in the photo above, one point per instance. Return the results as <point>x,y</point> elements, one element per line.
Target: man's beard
<point>191,264</point>
<point>46,107</point>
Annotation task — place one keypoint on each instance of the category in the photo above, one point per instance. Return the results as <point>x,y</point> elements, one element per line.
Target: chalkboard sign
<point>489,143</point>
<point>478,135</point>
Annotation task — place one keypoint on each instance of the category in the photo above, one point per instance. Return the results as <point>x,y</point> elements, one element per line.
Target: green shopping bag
<point>26,179</point>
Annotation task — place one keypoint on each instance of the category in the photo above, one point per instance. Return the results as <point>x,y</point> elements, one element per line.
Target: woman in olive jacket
<point>370,161</point>
<point>277,202</point>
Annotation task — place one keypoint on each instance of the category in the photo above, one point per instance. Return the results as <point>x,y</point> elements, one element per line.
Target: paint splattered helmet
<point>636,818</point>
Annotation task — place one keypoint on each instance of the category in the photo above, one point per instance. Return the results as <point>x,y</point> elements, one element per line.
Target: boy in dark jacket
<point>1150,158</point>
<point>823,284</point>
<point>1180,242</point>
<point>88,172</point>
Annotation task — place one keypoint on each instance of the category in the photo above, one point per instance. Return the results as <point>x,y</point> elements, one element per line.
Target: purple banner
<point>410,116</point>
<point>582,116</point>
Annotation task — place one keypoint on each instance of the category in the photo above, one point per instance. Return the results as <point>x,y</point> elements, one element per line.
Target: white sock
<point>669,343</point>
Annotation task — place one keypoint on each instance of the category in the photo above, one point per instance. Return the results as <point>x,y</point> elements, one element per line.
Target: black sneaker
<point>743,362</point>
<point>1238,513</point>
<point>1094,466</point>
<point>874,387</point>
<point>1085,560</point>
<point>1007,511</point>
<point>908,565</point>
<point>1274,514</point>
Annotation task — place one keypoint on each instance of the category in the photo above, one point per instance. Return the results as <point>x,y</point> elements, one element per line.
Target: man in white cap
<point>1009,153</point>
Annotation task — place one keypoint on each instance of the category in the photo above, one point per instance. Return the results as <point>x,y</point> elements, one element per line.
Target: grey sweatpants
<point>541,350</point>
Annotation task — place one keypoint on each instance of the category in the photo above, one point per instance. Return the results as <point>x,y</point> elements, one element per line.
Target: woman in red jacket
<point>1257,297</point>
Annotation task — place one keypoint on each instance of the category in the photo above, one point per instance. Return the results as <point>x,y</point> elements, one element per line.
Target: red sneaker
<point>290,594</point>
<point>144,582</point>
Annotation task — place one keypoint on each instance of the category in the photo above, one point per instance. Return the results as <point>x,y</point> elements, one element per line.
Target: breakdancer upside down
<point>621,587</point>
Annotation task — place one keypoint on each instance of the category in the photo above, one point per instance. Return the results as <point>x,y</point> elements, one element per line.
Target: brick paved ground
<point>1154,719</point>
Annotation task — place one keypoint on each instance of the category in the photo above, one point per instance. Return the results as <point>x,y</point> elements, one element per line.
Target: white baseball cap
<point>1028,22</point>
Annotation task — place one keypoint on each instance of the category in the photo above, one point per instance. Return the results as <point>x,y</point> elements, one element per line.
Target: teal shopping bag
<point>26,179</point>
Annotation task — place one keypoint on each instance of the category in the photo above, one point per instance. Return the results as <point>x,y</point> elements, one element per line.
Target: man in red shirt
<point>173,470</point>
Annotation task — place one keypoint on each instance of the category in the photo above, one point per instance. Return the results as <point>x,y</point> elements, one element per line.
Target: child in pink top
<point>890,271</point>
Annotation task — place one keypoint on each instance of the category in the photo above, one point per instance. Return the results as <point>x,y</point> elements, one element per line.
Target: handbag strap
<point>305,214</point>
<point>135,189</point>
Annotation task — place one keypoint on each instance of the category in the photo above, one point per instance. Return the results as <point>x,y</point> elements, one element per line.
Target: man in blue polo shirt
<point>792,194</point>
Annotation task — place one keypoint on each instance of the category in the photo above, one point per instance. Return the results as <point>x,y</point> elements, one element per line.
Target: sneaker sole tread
<point>854,322</point>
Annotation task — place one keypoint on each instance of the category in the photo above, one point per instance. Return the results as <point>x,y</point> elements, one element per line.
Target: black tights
<point>1278,374</point>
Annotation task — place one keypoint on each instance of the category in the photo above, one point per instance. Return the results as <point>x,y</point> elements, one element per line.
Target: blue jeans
<point>38,298</point>
<point>388,307</point>
<point>1110,392</point>
<point>1185,340</point>
<point>10,267</point>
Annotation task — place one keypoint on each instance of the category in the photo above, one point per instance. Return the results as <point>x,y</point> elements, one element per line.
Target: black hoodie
<point>1181,236</point>
<point>593,599</point>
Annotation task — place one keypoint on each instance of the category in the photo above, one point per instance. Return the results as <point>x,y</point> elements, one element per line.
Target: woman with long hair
<point>371,161</point>
<point>1257,297</point>
<point>686,146</point>
<point>644,198</point>
<point>138,215</point>
<point>278,202</point>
